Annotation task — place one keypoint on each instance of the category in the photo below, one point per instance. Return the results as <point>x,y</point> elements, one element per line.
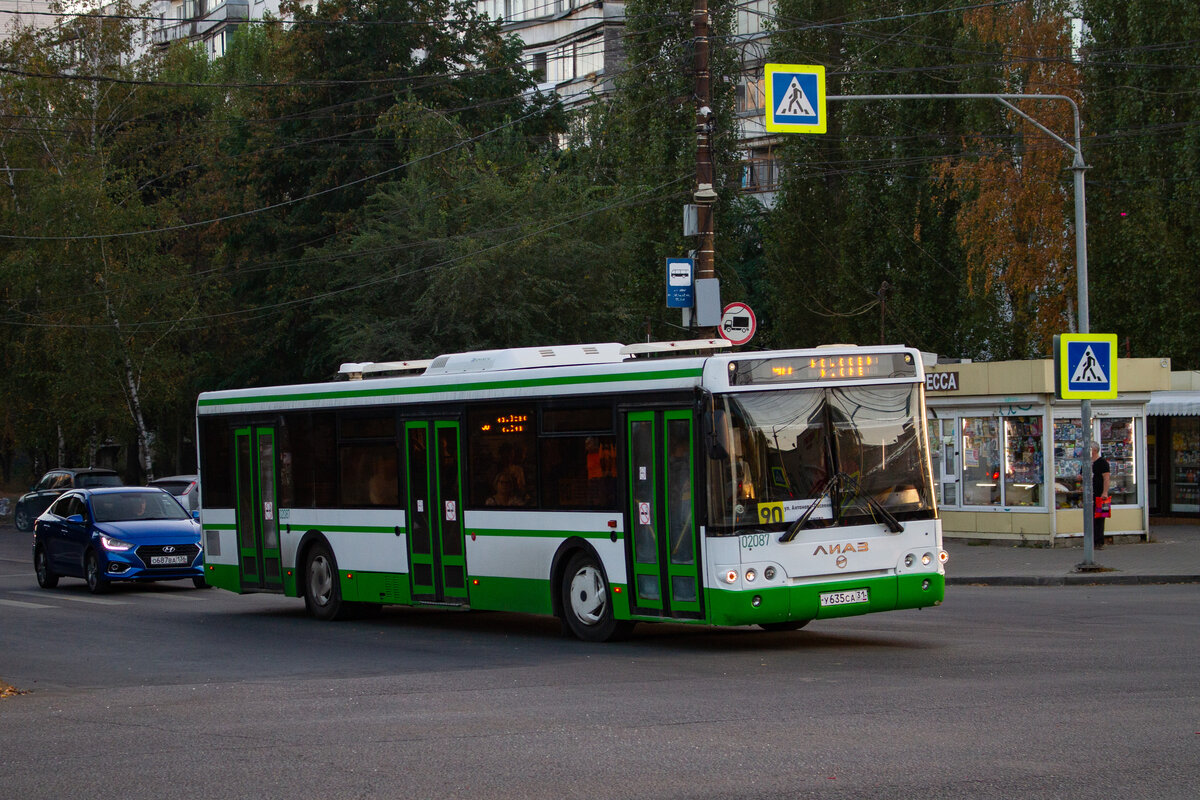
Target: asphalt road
<point>1003,692</point>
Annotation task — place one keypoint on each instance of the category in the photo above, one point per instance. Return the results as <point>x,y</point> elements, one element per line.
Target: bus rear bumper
<point>825,600</point>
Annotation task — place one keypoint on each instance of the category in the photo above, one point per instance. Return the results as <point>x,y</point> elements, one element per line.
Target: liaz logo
<point>834,549</point>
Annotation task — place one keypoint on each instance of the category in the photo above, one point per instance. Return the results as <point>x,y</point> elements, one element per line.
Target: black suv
<point>54,483</point>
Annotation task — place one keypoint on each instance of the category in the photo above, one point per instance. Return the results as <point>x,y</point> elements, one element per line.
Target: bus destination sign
<point>827,368</point>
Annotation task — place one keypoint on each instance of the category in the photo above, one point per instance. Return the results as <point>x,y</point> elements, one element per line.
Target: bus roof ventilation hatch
<point>687,347</point>
<point>526,358</point>
<point>357,371</point>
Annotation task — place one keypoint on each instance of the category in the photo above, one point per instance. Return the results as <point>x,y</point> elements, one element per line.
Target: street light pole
<point>1081,280</point>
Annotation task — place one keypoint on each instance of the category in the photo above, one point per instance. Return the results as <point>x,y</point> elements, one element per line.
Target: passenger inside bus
<point>505,489</point>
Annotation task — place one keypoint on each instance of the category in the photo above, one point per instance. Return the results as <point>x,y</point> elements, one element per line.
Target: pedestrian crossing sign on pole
<point>1085,366</point>
<point>795,98</point>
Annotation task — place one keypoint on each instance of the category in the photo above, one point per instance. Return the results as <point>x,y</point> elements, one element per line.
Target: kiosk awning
<point>1173,404</point>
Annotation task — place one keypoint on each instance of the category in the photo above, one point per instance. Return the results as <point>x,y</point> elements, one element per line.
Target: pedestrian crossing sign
<point>795,98</point>
<point>1086,366</point>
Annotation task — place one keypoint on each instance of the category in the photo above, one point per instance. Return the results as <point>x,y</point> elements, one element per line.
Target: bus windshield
<point>857,451</point>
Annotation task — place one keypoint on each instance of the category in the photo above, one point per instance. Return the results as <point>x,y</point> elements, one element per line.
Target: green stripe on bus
<point>320,527</point>
<point>541,534</point>
<point>343,394</point>
<point>346,528</point>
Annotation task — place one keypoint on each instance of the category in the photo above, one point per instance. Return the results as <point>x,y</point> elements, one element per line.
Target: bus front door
<point>257,509</point>
<point>664,549</point>
<point>436,551</point>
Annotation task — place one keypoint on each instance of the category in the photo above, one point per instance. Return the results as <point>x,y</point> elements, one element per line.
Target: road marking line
<point>22,604</point>
<point>174,596</point>
<point>93,600</point>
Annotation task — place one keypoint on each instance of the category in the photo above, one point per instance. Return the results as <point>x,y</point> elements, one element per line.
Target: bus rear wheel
<point>587,601</point>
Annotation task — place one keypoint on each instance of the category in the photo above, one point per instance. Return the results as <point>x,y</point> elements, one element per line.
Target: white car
<point>185,488</point>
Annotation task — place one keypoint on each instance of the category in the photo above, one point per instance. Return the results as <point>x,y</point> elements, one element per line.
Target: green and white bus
<point>604,484</point>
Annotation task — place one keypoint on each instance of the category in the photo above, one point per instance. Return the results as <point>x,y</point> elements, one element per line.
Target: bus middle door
<point>437,553</point>
<point>663,550</point>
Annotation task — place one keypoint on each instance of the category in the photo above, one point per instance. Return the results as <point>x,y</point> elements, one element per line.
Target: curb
<point>1081,579</point>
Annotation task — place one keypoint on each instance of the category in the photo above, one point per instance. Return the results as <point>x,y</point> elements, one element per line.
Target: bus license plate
<point>167,561</point>
<point>843,598</point>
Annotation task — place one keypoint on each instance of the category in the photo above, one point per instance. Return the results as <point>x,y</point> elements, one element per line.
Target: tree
<point>859,229</point>
<point>310,149</point>
<point>1014,218</point>
<point>1143,123</point>
<point>478,246</point>
<point>88,287</point>
<point>641,142</point>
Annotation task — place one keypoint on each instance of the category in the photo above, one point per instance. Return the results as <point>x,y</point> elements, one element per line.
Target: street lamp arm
<point>1000,98</point>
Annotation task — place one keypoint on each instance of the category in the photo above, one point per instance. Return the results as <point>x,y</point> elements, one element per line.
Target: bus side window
<point>579,472</point>
<point>500,451</point>
<point>369,475</point>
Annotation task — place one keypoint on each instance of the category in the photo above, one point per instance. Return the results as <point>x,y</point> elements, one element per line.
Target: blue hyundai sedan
<point>116,534</point>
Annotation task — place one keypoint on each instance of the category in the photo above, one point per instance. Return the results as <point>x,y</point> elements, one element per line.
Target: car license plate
<point>167,561</point>
<point>843,598</point>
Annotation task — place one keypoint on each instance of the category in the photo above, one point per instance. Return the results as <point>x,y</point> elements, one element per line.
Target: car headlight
<point>114,544</point>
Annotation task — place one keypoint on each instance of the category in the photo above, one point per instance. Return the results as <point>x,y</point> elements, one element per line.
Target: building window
<point>492,9</point>
<point>944,454</point>
<point>981,461</point>
<point>538,67</point>
<point>751,94</point>
<point>576,60</point>
<point>589,57</point>
<point>561,66</point>
<point>1118,444</point>
<point>760,171</point>
<point>1185,464</point>
<point>1023,467</point>
<point>752,16</point>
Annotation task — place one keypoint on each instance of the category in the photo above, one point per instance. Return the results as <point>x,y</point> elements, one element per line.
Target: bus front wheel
<point>587,601</point>
<point>780,627</point>
<point>322,590</point>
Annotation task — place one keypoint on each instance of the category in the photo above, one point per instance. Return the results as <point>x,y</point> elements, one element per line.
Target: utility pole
<point>705,195</point>
<point>883,290</point>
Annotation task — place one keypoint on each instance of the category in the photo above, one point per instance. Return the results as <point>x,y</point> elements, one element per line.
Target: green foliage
<point>859,207</point>
<point>333,192</point>
<point>92,303</point>
<point>1144,186</point>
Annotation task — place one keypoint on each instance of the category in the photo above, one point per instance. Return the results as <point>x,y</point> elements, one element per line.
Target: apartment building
<point>573,47</point>
<point>24,12</point>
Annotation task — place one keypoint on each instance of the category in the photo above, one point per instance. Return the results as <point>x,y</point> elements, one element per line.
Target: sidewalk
<point>1172,556</point>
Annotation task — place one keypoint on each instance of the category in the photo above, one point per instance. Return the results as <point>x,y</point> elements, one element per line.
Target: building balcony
<point>191,29</point>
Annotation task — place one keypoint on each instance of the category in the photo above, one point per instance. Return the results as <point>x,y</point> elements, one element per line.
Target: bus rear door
<point>257,509</point>
<point>663,550</point>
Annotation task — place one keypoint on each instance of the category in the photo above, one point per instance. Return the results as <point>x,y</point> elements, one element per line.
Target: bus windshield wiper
<point>799,524</point>
<point>850,483</point>
<point>889,519</point>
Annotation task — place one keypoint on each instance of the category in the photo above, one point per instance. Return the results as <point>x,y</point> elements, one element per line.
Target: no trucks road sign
<point>738,323</point>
